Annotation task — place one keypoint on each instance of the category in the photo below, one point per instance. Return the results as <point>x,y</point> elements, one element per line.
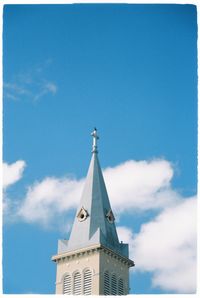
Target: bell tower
<point>93,261</point>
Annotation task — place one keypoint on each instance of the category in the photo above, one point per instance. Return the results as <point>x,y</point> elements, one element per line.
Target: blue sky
<point>131,71</point>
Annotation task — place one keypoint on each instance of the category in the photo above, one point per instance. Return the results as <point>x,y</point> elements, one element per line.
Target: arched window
<point>106,283</point>
<point>114,285</point>
<point>87,282</point>
<point>67,285</point>
<point>120,287</point>
<point>77,284</point>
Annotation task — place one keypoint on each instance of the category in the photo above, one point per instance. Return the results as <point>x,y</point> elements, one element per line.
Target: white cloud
<point>166,247</point>
<point>12,172</point>
<point>49,197</point>
<point>138,185</point>
<point>141,185</point>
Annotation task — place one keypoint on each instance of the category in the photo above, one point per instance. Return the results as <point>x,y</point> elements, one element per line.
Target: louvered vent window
<point>77,284</point>
<point>106,283</point>
<point>87,282</point>
<point>120,287</point>
<point>67,285</point>
<point>114,285</point>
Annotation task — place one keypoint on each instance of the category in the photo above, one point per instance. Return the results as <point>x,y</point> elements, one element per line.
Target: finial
<point>95,138</point>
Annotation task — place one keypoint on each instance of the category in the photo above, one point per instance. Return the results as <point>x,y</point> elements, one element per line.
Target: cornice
<point>92,249</point>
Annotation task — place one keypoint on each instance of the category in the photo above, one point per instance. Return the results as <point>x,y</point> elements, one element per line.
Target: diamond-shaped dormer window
<point>110,216</point>
<point>82,214</point>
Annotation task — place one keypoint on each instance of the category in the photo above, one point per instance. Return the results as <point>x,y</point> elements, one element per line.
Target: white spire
<point>95,138</point>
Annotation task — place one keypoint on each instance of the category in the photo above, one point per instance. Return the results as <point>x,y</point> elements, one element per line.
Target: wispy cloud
<point>45,88</point>
<point>30,85</point>
<point>51,87</point>
<point>15,91</point>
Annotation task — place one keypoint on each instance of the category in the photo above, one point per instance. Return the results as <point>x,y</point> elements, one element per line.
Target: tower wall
<point>79,262</point>
<point>113,265</point>
<point>109,273</point>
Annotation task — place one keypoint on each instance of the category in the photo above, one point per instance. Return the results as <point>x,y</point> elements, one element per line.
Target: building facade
<point>93,261</point>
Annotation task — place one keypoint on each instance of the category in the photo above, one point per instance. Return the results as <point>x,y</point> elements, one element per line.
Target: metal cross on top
<point>95,138</point>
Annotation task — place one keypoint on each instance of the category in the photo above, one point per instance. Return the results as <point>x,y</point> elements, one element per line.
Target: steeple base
<point>95,270</point>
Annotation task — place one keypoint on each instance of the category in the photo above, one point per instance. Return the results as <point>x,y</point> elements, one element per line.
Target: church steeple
<point>93,261</point>
<point>94,221</point>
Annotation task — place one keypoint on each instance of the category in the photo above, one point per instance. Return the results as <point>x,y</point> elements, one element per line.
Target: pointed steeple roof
<point>94,220</point>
